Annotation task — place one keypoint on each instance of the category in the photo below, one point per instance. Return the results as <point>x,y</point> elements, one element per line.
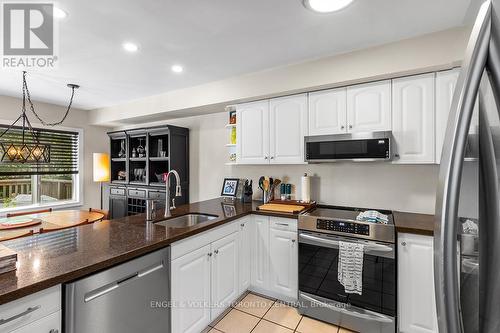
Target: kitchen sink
<point>187,220</point>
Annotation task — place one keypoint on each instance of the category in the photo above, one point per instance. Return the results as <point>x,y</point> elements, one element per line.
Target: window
<point>42,184</point>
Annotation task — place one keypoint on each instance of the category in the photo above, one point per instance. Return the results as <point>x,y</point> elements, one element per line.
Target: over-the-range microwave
<point>369,146</point>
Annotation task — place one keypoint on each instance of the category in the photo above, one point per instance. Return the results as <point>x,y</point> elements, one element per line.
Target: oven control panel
<point>343,226</point>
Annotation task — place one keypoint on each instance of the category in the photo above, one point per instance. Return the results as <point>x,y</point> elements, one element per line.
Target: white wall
<point>438,50</point>
<point>95,138</point>
<point>372,185</point>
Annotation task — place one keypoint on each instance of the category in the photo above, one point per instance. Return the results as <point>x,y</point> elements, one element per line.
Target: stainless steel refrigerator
<point>467,232</point>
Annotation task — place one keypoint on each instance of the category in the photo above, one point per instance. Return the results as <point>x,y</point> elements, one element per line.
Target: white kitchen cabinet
<point>252,133</point>
<point>283,256</point>
<point>38,312</point>
<point>245,248</point>
<point>413,117</point>
<point>416,297</point>
<point>48,324</point>
<point>191,291</point>
<point>288,127</point>
<point>260,252</point>
<point>369,107</point>
<point>328,112</point>
<point>275,257</point>
<point>272,131</point>
<point>225,284</point>
<point>445,86</point>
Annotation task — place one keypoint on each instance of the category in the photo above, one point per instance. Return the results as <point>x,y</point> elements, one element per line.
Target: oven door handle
<point>369,315</point>
<point>320,240</point>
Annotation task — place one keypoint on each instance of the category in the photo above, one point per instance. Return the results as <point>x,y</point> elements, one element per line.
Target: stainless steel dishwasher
<point>131,297</point>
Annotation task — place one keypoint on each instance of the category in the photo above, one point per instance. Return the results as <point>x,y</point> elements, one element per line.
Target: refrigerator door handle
<point>489,231</point>
<point>447,197</point>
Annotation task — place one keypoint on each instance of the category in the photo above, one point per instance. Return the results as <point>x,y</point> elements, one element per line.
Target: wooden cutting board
<point>8,223</point>
<point>282,208</point>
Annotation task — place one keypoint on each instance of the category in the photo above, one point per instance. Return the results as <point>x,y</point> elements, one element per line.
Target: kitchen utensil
<point>261,183</point>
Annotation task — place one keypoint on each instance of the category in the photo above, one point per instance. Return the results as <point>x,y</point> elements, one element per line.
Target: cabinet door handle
<point>54,331</point>
<point>293,240</point>
<point>350,126</point>
<point>209,254</point>
<point>342,127</point>
<point>396,155</point>
<point>272,157</point>
<point>242,225</point>
<point>216,251</point>
<point>403,243</point>
<point>283,224</point>
<point>19,315</point>
<point>265,157</point>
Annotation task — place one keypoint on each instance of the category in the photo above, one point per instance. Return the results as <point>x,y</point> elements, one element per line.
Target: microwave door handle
<point>447,196</point>
<point>335,243</point>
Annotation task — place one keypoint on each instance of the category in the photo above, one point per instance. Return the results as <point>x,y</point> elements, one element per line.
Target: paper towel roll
<point>306,188</point>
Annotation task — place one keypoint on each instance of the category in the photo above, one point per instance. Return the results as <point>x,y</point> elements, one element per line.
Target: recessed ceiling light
<point>177,69</point>
<point>130,47</point>
<point>59,13</point>
<point>326,6</point>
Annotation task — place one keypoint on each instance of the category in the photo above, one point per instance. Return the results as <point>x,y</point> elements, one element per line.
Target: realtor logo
<point>28,35</point>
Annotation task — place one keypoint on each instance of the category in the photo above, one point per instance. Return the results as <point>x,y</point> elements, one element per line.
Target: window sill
<point>54,206</point>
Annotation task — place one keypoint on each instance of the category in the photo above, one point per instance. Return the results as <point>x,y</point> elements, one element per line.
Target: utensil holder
<point>266,196</point>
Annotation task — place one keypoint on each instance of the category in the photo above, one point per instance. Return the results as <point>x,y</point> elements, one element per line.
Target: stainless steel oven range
<point>321,295</point>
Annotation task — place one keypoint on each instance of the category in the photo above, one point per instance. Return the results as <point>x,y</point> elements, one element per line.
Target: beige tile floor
<point>257,314</point>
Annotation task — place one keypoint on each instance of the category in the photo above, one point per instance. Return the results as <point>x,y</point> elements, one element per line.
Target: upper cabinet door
<point>369,107</point>
<point>328,112</point>
<point>413,119</point>
<point>445,86</point>
<point>252,133</point>
<point>288,126</point>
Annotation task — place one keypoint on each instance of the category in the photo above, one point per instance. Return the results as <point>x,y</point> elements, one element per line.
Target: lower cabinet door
<point>283,262</point>
<point>260,253</point>
<point>48,324</point>
<point>244,253</point>
<point>190,283</point>
<point>416,299</point>
<point>225,284</point>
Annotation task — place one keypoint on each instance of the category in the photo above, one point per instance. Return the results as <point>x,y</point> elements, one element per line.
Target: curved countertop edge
<point>414,223</point>
<point>91,248</point>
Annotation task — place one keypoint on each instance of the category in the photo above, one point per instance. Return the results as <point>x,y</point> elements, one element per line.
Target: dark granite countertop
<point>53,258</point>
<point>414,223</point>
<point>45,260</point>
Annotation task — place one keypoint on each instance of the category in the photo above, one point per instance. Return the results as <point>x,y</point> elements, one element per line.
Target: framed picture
<point>230,187</point>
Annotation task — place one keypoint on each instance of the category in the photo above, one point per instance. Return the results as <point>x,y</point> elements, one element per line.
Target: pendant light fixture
<point>27,147</point>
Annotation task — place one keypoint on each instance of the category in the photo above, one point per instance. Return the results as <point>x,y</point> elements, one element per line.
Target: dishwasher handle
<point>101,291</point>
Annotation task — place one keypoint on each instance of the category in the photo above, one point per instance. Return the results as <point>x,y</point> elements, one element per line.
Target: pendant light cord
<point>32,108</point>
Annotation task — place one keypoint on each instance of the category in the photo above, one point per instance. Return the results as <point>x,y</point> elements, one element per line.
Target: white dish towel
<point>350,268</point>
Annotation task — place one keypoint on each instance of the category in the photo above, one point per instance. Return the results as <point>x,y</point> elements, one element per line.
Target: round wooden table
<point>53,221</point>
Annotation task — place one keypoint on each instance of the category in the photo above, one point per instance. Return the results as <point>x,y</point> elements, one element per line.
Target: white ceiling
<point>212,39</point>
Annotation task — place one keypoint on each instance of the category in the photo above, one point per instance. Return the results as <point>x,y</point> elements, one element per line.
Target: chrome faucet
<point>178,191</point>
